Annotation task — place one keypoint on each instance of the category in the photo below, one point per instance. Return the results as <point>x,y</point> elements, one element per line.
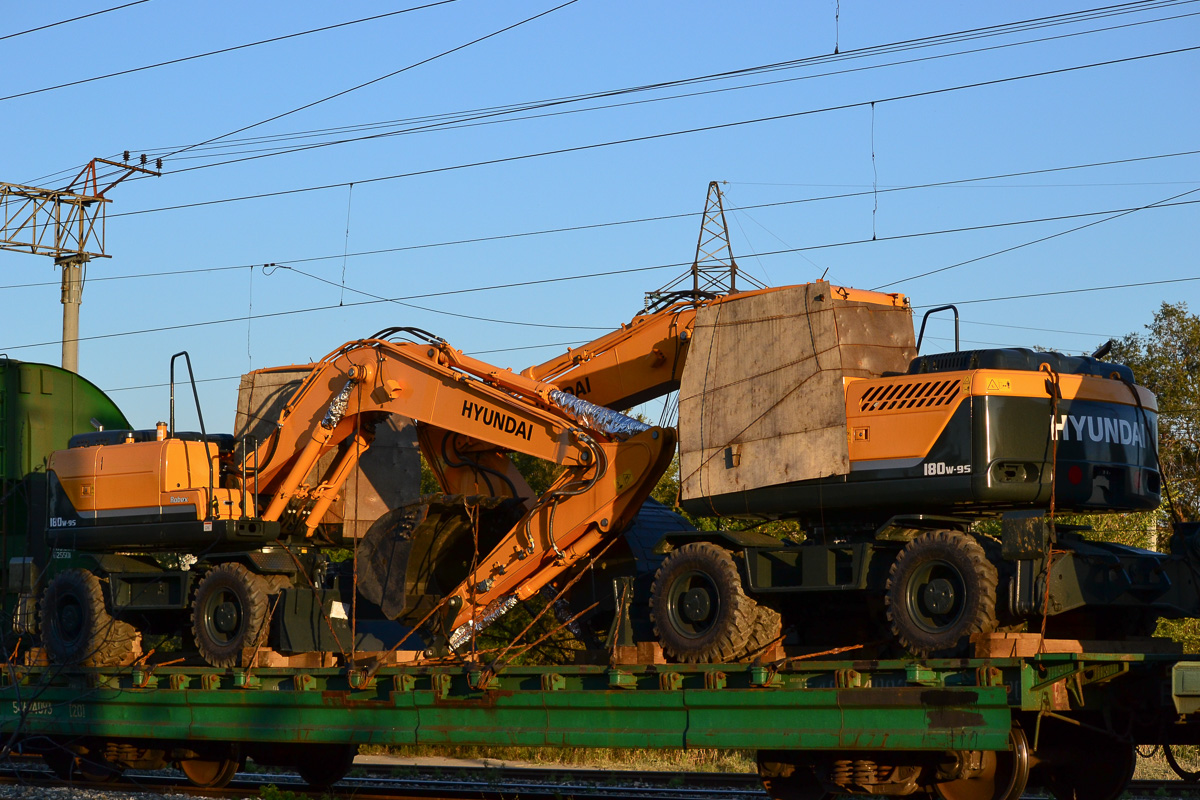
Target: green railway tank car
<point>41,408</point>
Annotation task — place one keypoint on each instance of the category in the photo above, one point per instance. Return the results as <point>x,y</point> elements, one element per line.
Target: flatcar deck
<point>867,711</point>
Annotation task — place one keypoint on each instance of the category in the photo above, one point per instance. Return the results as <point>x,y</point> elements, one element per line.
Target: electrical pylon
<point>714,270</point>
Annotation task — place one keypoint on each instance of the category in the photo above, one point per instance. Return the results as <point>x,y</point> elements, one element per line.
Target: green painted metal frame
<point>902,705</point>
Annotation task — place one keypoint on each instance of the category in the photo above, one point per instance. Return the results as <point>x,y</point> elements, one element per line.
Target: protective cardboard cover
<point>762,399</point>
<point>387,476</point>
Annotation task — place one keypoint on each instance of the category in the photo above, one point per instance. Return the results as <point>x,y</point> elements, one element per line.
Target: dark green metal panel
<point>44,406</point>
<point>735,706</point>
<point>831,706</point>
<point>914,718</point>
<point>41,408</point>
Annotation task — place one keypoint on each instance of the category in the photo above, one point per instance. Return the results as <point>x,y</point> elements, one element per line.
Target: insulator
<point>158,164</point>
<point>143,159</point>
<point>127,156</point>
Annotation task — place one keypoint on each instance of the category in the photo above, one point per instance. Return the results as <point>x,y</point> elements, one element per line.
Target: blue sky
<point>1143,106</point>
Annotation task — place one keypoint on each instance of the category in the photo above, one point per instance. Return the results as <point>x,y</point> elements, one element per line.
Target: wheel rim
<point>70,618</point>
<point>1004,775</point>
<point>694,604</point>
<point>222,617</point>
<point>936,596</point>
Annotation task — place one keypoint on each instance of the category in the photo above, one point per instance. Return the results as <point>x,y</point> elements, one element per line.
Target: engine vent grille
<point>914,394</point>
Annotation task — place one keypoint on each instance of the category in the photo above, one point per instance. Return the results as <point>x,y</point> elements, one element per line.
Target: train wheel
<point>784,779</point>
<point>699,609</point>
<point>1003,777</point>
<point>1187,775</point>
<point>210,774</point>
<point>229,613</point>
<point>1095,767</point>
<point>940,590</point>
<point>77,627</point>
<point>327,765</point>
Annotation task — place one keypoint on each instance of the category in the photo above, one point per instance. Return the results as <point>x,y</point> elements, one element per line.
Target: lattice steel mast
<point>714,270</point>
<point>66,224</point>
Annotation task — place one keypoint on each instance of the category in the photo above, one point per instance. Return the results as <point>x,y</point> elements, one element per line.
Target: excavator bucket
<point>414,555</point>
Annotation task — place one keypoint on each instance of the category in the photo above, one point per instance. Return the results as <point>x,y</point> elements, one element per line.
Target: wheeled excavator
<point>811,403</point>
<point>244,526</point>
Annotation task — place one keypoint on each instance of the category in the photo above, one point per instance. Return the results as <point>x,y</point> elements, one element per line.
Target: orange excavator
<point>249,522</point>
<point>811,403</point>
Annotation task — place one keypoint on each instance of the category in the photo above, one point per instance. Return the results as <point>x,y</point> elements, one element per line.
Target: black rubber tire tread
<point>768,625</point>
<point>727,639</point>
<point>323,768</point>
<point>103,641</point>
<point>251,590</point>
<point>980,578</point>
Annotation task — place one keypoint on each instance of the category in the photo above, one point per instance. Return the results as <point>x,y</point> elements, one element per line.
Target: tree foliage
<point>1166,360</point>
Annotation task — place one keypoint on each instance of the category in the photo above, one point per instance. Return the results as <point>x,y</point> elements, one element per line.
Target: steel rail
<point>483,783</point>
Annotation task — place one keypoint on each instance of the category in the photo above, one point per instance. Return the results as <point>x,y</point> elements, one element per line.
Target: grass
<point>1156,768</point>
<point>599,758</point>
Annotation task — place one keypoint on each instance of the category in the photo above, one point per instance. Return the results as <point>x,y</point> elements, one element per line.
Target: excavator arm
<point>610,461</point>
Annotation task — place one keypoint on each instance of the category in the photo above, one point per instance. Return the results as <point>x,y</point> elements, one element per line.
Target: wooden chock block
<point>623,654</point>
<point>650,653</point>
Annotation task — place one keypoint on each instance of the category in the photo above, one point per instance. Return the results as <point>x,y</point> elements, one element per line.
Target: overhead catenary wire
<point>661,136</point>
<point>472,317</point>
<point>384,77</point>
<point>751,255</point>
<point>313,309</point>
<point>504,115</point>
<point>220,51</point>
<point>457,119</point>
<point>469,353</point>
<point>72,19</point>
<point>938,338</point>
<point>641,220</point>
<point>606,273</point>
<point>359,86</point>
<point>1169,201</point>
<point>1057,292</point>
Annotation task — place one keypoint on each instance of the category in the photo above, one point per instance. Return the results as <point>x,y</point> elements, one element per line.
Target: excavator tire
<point>229,613</point>
<point>768,627</point>
<point>77,627</point>
<point>941,589</point>
<point>413,555</point>
<point>700,610</point>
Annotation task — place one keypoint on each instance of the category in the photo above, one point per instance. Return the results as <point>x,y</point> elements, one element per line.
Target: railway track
<point>483,783</point>
<point>439,782</point>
